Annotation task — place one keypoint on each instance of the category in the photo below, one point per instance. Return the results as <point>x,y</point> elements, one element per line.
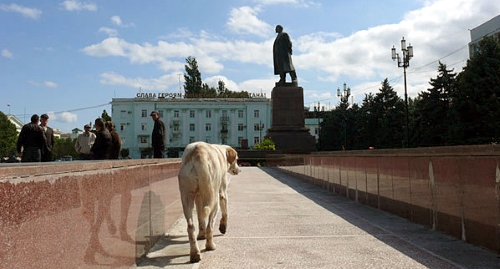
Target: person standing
<point>102,142</point>
<point>31,140</point>
<point>84,143</point>
<point>49,138</point>
<point>116,141</point>
<point>282,56</point>
<point>158,135</point>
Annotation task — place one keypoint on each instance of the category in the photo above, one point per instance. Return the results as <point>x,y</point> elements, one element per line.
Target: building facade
<point>489,28</point>
<point>237,122</point>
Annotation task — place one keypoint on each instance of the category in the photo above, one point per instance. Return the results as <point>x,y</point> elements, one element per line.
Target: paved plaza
<point>277,220</point>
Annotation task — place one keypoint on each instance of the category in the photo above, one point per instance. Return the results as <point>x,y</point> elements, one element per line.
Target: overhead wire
<point>413,70</point>
<point>71,110</point>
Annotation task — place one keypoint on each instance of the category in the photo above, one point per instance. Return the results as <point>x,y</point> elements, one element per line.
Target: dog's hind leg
<point>210,245</point>
<point>188,206</point>
<point>202,224</point>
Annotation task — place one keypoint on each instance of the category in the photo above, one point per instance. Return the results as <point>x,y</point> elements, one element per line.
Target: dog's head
<point>232,159</point>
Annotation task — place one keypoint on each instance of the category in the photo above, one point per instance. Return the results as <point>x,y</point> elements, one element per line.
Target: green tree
<point>339,129</point>
<point>105,116</point>
<point>192,78</point>
<point>389,111</point>
<point>367,121</point>
<point>64,147</point>
<point>431,110</point>
<point>195,88</point>
<point>266,144</point>
<point>475,103</point>
<point>222,91</point>
<point>8,137</point>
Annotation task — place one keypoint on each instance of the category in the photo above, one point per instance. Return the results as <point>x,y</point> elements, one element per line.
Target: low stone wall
<point>454,190</point>
<point>85,214</point>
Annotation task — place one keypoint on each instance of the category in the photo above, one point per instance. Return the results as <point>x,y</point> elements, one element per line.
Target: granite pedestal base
<point>288,129</point>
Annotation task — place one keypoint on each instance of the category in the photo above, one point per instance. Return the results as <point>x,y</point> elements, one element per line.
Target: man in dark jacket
<point>102,142</point>
<point>158,135</point>
<point>30,141</point>
<point>49,138</point>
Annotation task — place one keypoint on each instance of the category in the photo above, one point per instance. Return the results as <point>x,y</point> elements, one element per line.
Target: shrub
<point>266,144</point>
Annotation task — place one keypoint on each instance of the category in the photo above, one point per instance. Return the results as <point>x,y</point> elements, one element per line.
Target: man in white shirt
<point>84,143</point>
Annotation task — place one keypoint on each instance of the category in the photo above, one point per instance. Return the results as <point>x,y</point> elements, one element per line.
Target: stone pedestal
<point>288,129</point>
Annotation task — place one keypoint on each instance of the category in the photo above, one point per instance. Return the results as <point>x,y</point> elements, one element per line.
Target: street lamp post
<point>344,97</point>
<point>404,62</point>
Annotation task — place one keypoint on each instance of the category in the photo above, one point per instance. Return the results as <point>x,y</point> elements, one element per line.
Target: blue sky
<point>70,58</point>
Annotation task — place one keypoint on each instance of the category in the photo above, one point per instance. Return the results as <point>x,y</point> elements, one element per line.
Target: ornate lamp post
<point>344,98</point>
<point>404,62</point>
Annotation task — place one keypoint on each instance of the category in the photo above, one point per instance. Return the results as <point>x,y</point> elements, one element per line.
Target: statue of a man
<point>282,56</point>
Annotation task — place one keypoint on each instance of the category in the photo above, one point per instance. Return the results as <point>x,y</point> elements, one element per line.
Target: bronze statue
<point>282,56</point>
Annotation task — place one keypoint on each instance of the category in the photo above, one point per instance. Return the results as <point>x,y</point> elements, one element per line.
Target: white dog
<point>203,180</point>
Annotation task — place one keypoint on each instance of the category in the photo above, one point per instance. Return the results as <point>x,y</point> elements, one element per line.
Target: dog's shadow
<point>170,250</point>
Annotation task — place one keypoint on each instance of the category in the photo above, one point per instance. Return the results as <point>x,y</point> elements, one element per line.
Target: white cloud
<point>50,84</point>
<point>244,20</point>
<point>32,13</point>
<point>74,5</point>
<point>62,116</point>
<point>108,47</point>
<point>66,117</point>
<point>162,83</point>
<point>116,20</point>
<point>438,31</point>
<point>300,3</point>
<point>7,54</point>
<point>109,31</point>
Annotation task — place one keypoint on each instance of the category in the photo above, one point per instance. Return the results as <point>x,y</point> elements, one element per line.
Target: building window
<point>240,126</point>
<point>176,113</point>
<point>144,126</point>
<point>256,140</point>
<point>191,127</point>
<point>256,114</point>
<point>240,113</point>
<point>191,113</point>
<point>239,140</point>
<point>123,127</point>
<point>161,113</point>
<point>176,128</point>
<point>143,139</point>
<point>191,139</point>
<point>208,127</point>
<point>208,139</point>
<point>123,114</point>
<point>224,113</point>
<point>208,113</point>
<point>256,126</point>
<point>144,113</point>
<point>224,141</point>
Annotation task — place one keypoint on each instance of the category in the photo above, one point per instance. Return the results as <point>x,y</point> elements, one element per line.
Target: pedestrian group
<point>36,140</point>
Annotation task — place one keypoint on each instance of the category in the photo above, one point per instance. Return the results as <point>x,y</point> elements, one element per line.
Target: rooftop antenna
<point>180,91</point>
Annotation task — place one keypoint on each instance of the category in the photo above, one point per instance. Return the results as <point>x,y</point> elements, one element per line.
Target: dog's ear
<point>231,155</point>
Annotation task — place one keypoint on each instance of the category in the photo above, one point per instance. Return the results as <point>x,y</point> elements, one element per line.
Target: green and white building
<point>237,122</point>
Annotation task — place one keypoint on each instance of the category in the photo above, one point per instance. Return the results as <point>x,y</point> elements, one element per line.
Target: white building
<point>19,125</point>
<point>489,28</point>
<point>17,122</point>
<point>231,121</point>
